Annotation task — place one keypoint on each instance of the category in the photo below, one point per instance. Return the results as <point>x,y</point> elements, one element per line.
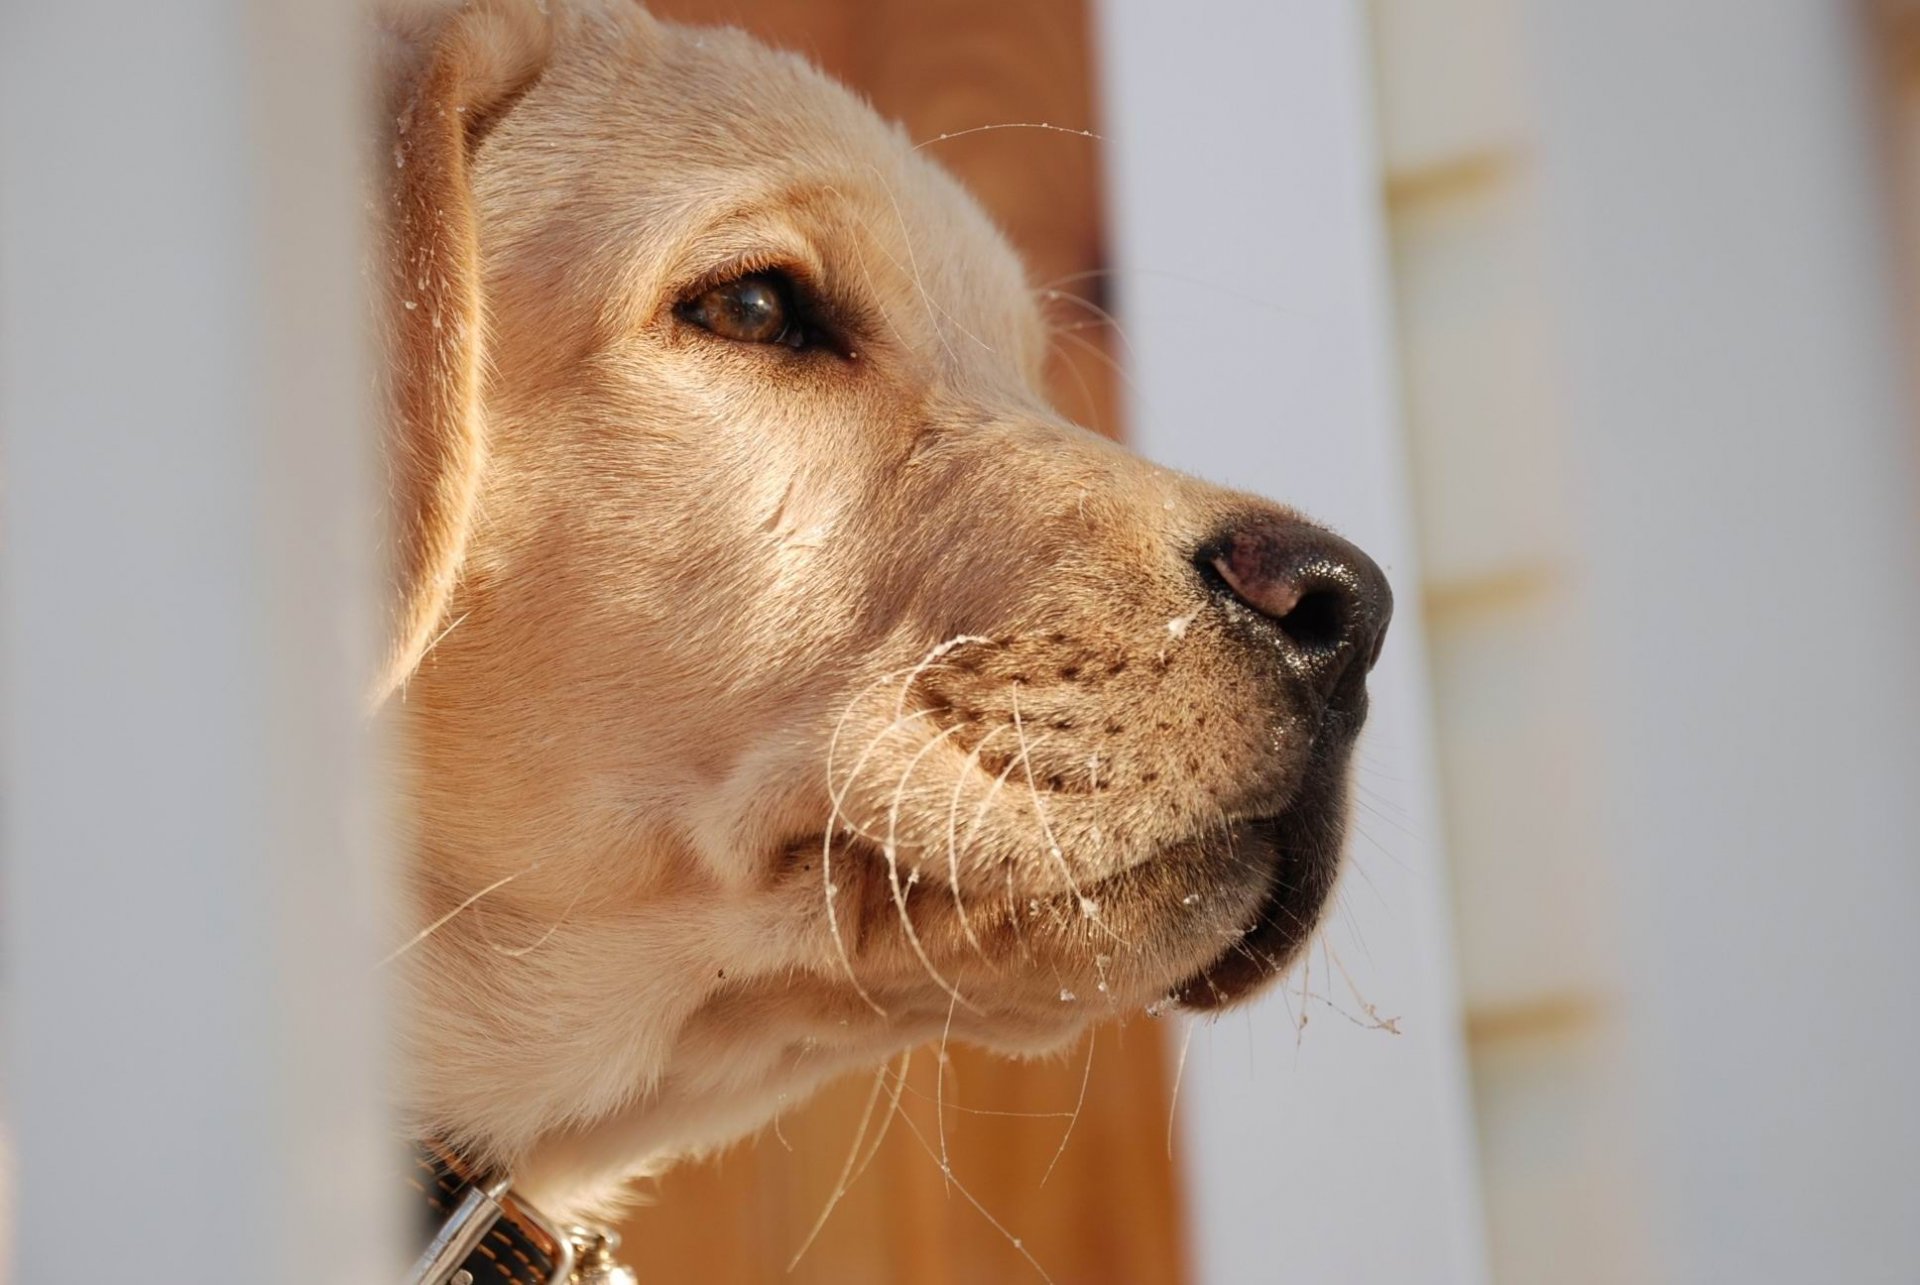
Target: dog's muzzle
<point>480,1233</point>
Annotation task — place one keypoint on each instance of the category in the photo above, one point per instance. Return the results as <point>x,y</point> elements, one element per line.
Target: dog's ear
<point>449,73</point>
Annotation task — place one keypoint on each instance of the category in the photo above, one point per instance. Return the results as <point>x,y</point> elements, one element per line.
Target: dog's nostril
<point>1325,601</point>
<point>1318,620</point>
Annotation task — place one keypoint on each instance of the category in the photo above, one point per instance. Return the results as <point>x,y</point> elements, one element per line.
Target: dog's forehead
<point>656,133</point>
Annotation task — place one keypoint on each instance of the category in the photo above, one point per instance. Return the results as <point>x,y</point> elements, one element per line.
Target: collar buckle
<point>479,1209</point>
<point>580,1255</point>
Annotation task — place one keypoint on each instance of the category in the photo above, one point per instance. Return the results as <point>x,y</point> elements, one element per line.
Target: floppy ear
<point>449,74</point>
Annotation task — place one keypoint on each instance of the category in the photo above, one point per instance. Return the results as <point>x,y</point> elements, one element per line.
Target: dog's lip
<point>1303,846</point>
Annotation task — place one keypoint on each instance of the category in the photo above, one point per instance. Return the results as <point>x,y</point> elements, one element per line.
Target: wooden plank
<point>1093,1197</point>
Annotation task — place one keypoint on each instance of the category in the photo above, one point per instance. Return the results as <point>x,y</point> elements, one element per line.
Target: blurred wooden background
<point>1104,1208</point>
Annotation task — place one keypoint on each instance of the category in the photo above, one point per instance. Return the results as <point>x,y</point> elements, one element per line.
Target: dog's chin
<point>1300,849</point>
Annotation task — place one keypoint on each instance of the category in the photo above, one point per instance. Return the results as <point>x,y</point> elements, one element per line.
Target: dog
<point>777,681</point>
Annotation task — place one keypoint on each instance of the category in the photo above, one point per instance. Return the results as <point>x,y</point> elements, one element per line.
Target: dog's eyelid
<point>736,268</point>
<point>812,321</point>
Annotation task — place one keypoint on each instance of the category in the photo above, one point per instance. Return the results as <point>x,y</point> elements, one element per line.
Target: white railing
<point>191,872</point>
<point>1251,257</point>
<point>1739,403</point>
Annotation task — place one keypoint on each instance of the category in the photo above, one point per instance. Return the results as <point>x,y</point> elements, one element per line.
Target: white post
<point>1752,487</point>
<point>1250,248</point>
<point>190,881</point>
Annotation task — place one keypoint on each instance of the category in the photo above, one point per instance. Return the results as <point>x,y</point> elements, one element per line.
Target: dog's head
<point>783,681</point>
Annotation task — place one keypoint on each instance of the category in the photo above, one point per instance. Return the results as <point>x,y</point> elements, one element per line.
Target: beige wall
<point>1328,1123</point>
<point>1664,483</point>
<point>1502,596</point>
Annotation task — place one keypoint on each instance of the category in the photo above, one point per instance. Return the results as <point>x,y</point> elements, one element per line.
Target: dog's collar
<point>480,1233</point>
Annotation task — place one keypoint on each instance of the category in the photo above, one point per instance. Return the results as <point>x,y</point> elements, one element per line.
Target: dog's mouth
<point>1203,918</point>
<point>1300,849</point>
<point>1281,869</point>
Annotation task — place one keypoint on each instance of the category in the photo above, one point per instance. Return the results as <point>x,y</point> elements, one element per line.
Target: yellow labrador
<point>779,678</point>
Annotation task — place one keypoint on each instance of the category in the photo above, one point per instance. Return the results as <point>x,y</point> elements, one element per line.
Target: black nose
<point>1322,600</point>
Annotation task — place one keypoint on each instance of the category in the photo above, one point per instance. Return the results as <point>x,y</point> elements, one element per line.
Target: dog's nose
<point>1324,601</point>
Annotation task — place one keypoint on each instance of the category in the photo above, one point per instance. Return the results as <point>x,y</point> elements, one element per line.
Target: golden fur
<point>762,712</point>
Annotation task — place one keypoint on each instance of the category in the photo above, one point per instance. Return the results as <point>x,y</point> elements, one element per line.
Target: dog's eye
<point>759,308</point>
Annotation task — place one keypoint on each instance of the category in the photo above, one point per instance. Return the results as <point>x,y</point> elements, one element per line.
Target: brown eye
<point>754,309</point>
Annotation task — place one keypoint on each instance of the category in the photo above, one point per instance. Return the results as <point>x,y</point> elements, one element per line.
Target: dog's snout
<point>1324,601</point>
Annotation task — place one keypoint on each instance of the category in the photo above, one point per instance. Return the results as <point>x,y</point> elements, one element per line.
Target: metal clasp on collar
<point>593,1249</point>
<point>582,1255</point>
<point>468,1224</point>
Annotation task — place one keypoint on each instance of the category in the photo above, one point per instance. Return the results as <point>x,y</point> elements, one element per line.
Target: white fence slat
<point>1251,258</point>
<point>191,880</point>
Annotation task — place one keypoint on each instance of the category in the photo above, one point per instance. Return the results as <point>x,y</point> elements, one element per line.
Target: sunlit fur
<point>760,711</point>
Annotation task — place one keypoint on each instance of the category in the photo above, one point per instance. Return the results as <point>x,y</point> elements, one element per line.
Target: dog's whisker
<point>521,952</point>
<point>1101,316</point>
<point>912,268</point>
<point>931,660</point>
<point>1373,1019</point>
<point>441,637</point>
<point>1086,904</point>
<point>1100,355</point>
<point>958,1109</point>
<point>1086,1077</point>
<point>1179,1072</point>
<point>866,272</point>
<point>899,1084</point>
<point>1019,1245</point>
<point>1092,403</point>
<point>1078,327</point>
<point>1238,296</point>
<point>986,802</point>
<point>1390,807</point>
<point>1046,126</point>
<point>449,917</point>
<point>837,813</point>
<point>960,781</point>
<point>965,843</point>
<point>1366,805</point>
<point>1353,920</point>
<point>1354,863</point>
<point>846,714</point>
<point>940,1099</point>
<point>1286,1002</point>
<point>891,852</point>
<point>1013,918</point>
<point>842,1183</point>
<point>1306,995</point>
<point>919,280</point>
<point>832,893</point>
<point>830,890</point>
<point>858,701</point>
<point>979,815</point>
